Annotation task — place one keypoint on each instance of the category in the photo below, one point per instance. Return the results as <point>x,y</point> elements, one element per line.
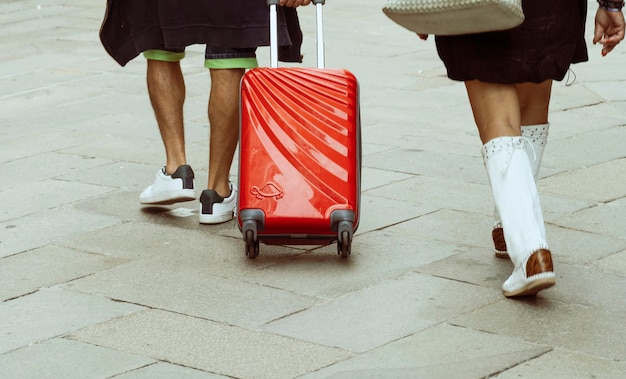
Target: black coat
<point>131,27</point>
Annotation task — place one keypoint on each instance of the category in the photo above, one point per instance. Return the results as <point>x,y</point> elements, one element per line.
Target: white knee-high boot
<point>537,135</point>
<point>515,194</point>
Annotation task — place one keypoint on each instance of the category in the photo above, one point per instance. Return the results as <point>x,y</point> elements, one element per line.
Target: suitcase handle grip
<point>274,33</point>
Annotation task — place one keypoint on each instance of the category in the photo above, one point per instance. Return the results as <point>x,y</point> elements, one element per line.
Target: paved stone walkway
<point>92,285</point>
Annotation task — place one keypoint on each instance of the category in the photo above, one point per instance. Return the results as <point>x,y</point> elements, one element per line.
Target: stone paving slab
<point>441,351</point>
<point>604,219</point>
<point>46,194</point>
<point>568,365</point>
<point>615,263</point>
<point>577,97</point>
<point>63,358</point>
<point>27,145</point>
<point>382,313</point>
<point>53,312</point>
<point>210,346</point>
<point>578,288</point>
<point>430,139</point>
<point>447,225</point>
<point>611,91</point>
<point>20,124</point>
<point>587,183</point>
<point>439,193</point>
<point>581,150</point>
<point>166,371</point>
<point>586,121</point>
<point>553,323</point>
<point>188,289</point>
<point>46,227</point>
<point>34,169</point>
<point>556,207</point>
<point>127,178</point>
<point>31,81</point>
<point>26,273</point>
<point>437,164</point>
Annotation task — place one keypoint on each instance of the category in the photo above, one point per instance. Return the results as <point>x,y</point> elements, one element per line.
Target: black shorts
<point>543,47</point>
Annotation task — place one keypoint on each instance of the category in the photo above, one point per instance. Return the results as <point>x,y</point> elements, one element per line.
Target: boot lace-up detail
<point>508,144</point>
<point>537,134</point>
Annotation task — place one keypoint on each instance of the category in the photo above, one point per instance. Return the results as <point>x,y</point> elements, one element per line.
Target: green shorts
<point>214,57</point>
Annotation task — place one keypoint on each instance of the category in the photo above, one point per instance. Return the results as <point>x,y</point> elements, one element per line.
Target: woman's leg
<point>534,100</point>
<point>497,113</point>
<point>496,109</point>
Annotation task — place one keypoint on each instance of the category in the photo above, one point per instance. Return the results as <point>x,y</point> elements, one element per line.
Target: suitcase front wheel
<point>344,244</point>
<point>252,245</point>
<point>344,238</point>
<point>342,222</point>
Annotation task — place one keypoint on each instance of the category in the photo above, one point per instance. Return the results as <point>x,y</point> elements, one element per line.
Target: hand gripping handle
<point>274,33</point>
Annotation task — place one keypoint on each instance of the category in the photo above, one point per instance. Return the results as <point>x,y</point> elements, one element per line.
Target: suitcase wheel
<point>252,220</point>
<point>342,221</point>
<point>252,245</point>
<point>344,240</point>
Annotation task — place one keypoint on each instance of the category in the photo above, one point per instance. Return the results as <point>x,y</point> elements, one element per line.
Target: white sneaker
<point>215,209</point>
<point>169,189</point>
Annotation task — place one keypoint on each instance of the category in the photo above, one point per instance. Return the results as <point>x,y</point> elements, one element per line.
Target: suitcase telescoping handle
<point>274,33</point>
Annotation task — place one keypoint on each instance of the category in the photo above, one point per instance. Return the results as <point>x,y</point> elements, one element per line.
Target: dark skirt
<point>133,26</point>
<point>549,40</point>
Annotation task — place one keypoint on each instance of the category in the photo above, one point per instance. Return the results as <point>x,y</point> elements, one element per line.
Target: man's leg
<point>166,87</point>
<point>224,121</point>
<point>227,66</point>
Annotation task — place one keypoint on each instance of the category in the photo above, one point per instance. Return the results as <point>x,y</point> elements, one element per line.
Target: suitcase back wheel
<point>252,245</point>
<point>253,220</point>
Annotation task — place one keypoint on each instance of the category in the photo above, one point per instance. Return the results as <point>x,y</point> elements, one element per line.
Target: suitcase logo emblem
<point>268,190</point>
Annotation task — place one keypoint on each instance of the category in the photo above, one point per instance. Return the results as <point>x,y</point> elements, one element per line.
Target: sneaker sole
<point>532,288</point>
<point>170,197</point>
<point>216,219</point>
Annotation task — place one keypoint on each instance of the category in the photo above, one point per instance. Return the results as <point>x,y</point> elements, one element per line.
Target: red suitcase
<point>300,154</point>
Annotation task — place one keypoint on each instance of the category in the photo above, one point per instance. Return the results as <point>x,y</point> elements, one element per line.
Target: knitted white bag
<point>454,17</point>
